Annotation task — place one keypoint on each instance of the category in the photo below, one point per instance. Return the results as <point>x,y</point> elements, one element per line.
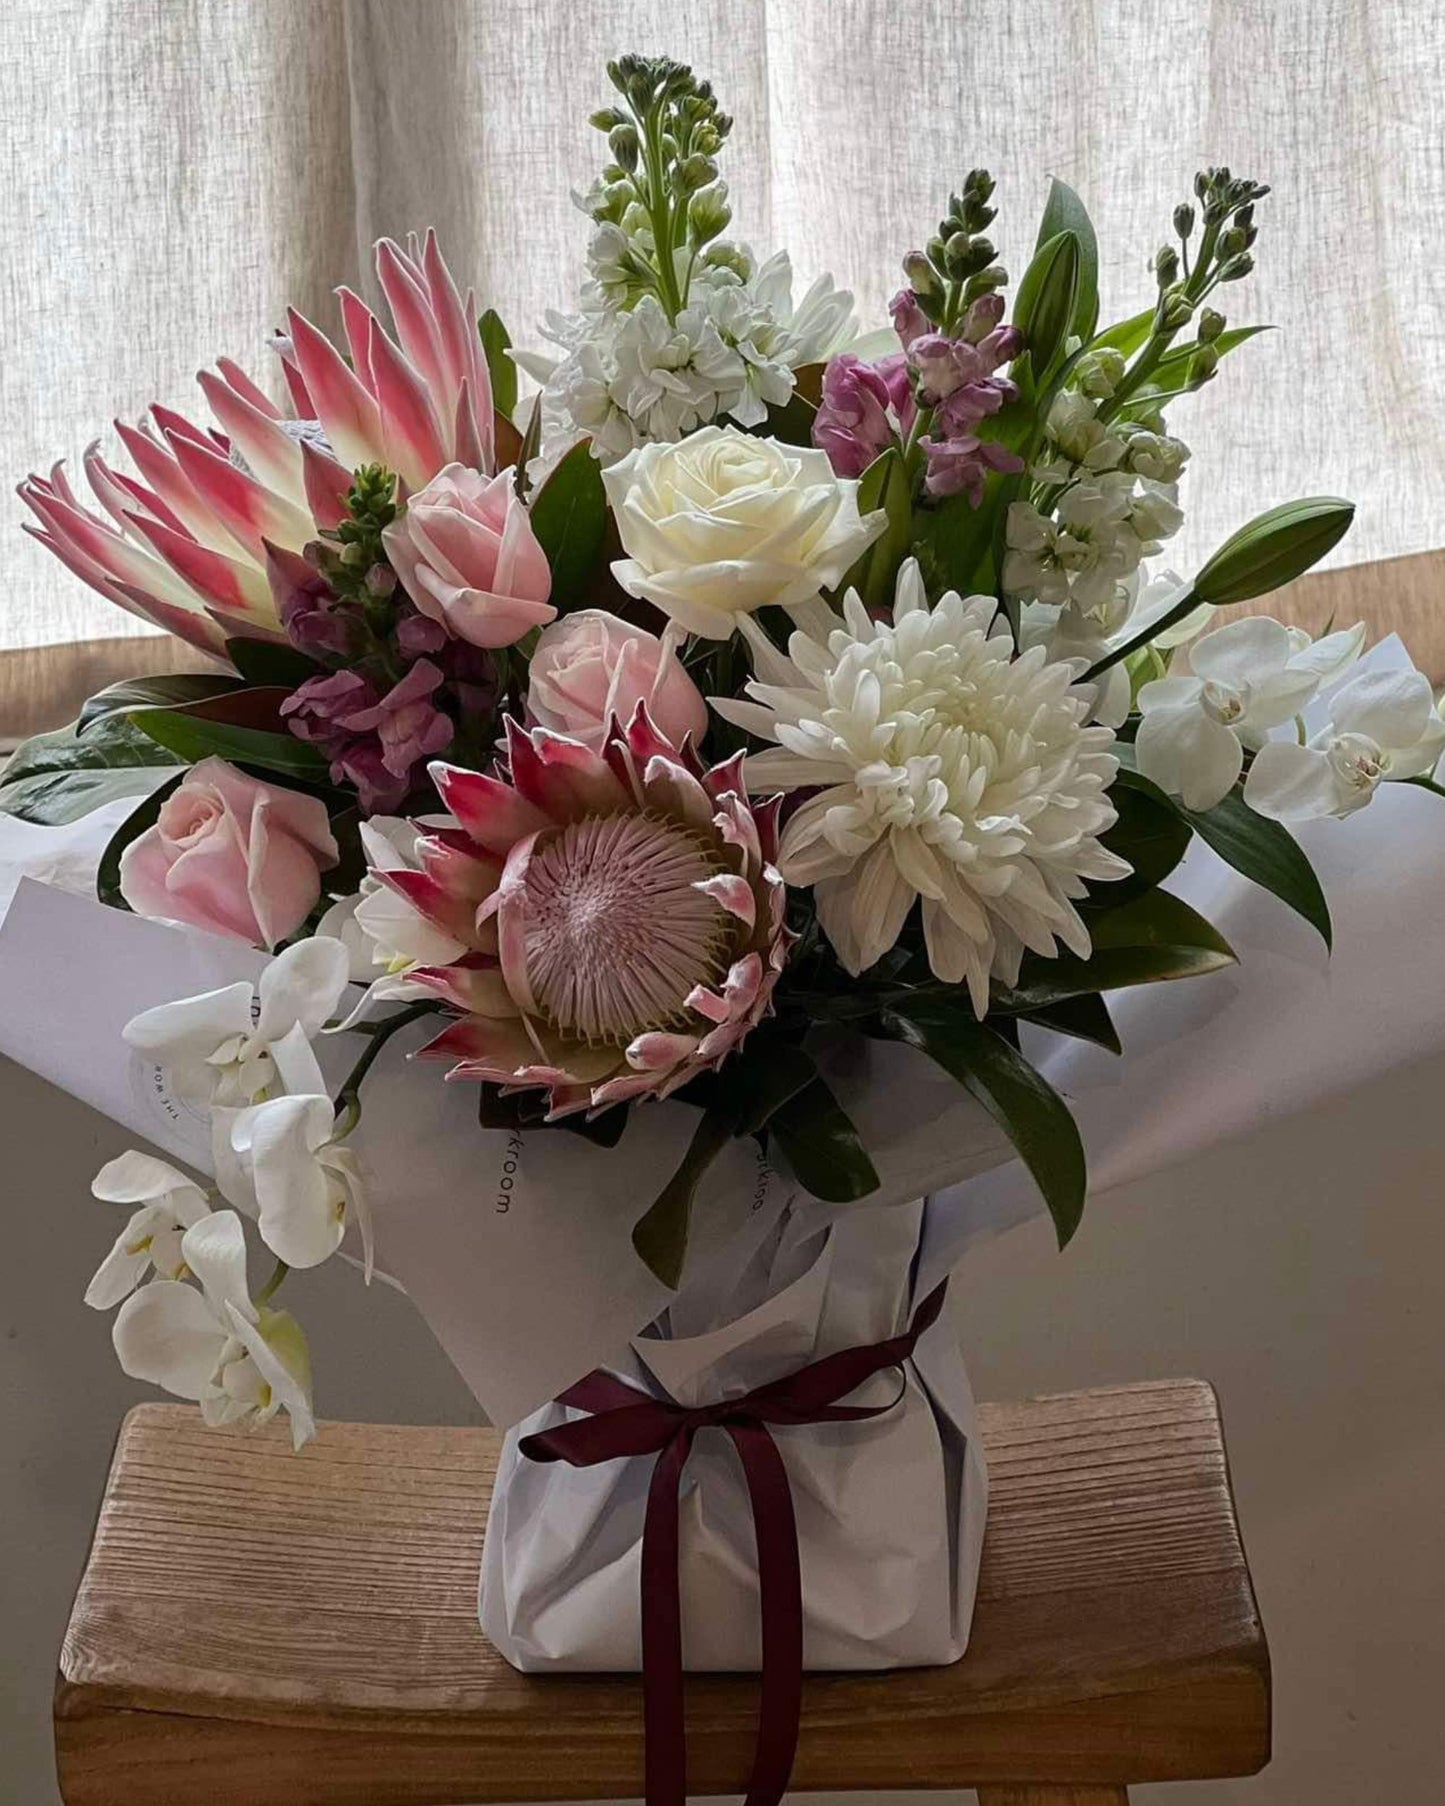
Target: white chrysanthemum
<point>947,769</point>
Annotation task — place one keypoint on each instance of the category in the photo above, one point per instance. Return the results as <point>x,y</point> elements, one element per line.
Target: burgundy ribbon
<point>625,1422</point>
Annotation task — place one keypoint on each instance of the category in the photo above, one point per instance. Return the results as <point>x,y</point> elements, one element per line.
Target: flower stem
<point>348,1099</point>
<point>273,1284</point>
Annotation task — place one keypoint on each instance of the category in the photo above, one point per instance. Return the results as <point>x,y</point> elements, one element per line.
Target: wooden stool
<point>254,1626</point>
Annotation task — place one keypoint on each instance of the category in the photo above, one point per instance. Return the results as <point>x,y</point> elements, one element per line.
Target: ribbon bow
<point>626,1422</point>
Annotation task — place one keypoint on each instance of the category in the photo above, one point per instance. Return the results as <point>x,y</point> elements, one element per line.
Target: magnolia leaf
<point>660,1234</point>
<point>173,690</point>
<point>267,662</point>
<point>1146,940</point>
<point>1273,549</point>
<point>496,343</point>
<point>194,739</point>
<point>817,1138</point>
<point>1065,212</point>
<point>1025,1106</point>
<point>569,518</point>
<point>1150,833</point>
<point>58,777</point>
<point>1084,1018</point>
<point>759,1085</point>
<point>1266,853</point>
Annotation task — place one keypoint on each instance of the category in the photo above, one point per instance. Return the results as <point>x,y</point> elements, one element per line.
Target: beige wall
<point>1303,1271</point>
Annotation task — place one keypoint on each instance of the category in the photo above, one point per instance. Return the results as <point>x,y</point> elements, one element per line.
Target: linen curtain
<point>178,170</point>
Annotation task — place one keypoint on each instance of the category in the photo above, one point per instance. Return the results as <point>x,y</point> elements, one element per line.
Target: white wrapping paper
<point>890,1510</point>
<point>530,1283</point>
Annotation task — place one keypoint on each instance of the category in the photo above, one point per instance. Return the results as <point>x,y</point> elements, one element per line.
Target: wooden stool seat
<point>254,1626</point>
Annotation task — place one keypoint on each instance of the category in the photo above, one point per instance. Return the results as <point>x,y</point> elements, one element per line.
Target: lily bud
<point>1273,549</point>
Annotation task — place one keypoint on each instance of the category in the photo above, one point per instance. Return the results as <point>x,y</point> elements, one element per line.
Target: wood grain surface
<point>254,1625</point>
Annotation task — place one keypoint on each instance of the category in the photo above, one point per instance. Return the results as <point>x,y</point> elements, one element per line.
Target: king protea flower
<point>622,912</point>
<point>946,769</point>
<point>185,545</point>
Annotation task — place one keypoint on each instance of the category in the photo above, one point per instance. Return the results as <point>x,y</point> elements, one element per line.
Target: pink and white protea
<point>185,544</point>
<point>622,911</point>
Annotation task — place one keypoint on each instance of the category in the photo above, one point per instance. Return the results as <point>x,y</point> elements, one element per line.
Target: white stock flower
<point>1383,725</point>
<point>1100,530</point>
<point>947,769</point>
<point>169,1204</point>
<point>306,1187</point>
<point>1244,678</point>
<point>238,1360</point>
<point>629,376</point>
<point>233,1046</point>
<point>726,523</point>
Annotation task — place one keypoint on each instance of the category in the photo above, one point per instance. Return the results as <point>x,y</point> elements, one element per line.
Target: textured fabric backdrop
<point>177,170</point>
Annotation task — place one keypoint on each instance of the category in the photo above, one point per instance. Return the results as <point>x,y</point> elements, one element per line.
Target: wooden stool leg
<point>1042,1795</point>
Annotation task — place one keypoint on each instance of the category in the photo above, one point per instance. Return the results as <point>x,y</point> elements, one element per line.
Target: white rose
<point>723,523</point>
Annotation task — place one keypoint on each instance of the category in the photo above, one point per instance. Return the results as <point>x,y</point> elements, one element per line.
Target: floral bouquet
<point>722,769</point>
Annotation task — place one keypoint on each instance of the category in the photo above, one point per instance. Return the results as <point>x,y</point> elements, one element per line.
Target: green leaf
<point>569,517</point>
<point>1065,212</point>
<point>267,662</point>
<point>1150,833</point>
<point>496,342</point>
<point>153,692</point>
<point>1175,362</point>
<point>1273,549</point>
<point>791,421</point>
<point>1047,301</point>
<point>52,798</point>
<point>1025,1106</point>
<point>818,1140</point>
<point>758,1086</point>
<point>1082,1018</point>
<point>1128,335</point>
<point>107,878</point>
<point>884,484</point>
<point>1264,851</point>
<point>194,739</point>
<point>58,777</point>
<point>1150,939</point>
<point>660,1234</point>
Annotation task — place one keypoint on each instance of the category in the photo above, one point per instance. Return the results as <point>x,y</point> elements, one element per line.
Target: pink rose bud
<point>231,855</point>
<point>589,669</point>
<point>468,558</point>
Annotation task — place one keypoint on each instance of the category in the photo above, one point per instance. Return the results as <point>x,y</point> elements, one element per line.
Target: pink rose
<point>231,855</point>
<point>589,667</point>
<point>468,558</point>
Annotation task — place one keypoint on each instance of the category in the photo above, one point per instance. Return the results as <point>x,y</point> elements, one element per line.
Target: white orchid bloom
<point>240,1361</point>
<point>307,1188</point>
<point>1383,725</point>
<point>234,1046</point>
<point>386,937</point>
<point>169,1204</point>
<point>1244,679</point>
